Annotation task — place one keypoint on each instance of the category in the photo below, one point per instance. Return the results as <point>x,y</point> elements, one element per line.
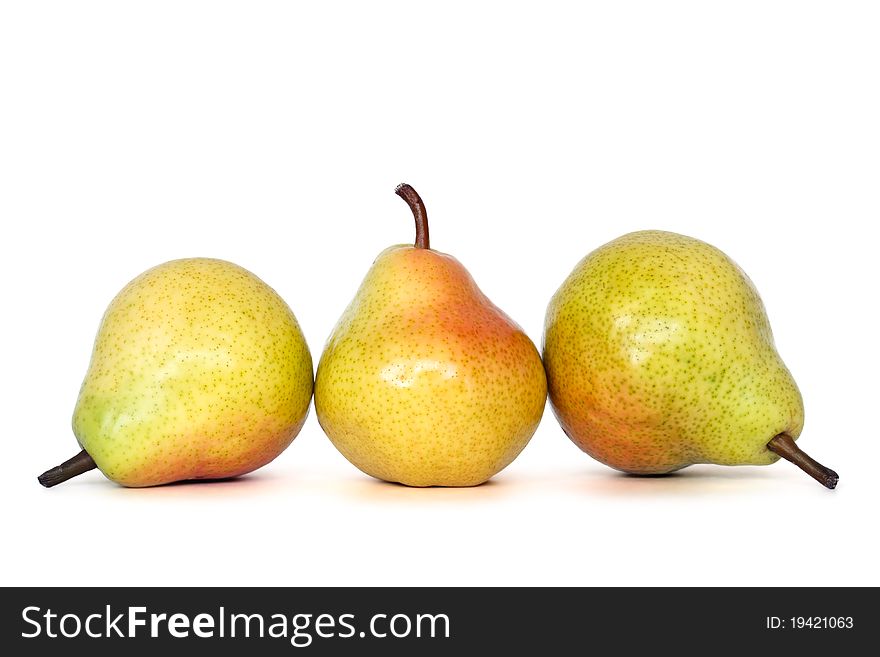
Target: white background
<point>273,134</point>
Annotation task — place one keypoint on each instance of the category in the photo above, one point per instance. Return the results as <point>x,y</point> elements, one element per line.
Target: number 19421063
<point>810,623</point>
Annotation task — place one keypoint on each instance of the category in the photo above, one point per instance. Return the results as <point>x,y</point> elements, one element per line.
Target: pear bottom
<point>655,452</point>
<point>450,457</point>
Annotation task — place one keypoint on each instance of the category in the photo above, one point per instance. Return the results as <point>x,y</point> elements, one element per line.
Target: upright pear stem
<point>71,468</point>
<point>784,445</point>
<point>415,203</point>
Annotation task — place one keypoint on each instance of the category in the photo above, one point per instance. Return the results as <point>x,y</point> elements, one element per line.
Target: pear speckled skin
<point>659,355</point>
<point>424,381</point>
<point>199,371</point>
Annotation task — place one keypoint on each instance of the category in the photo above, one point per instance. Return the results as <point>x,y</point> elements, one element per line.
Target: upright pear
<point>199,371</point>
<point>659,355</point>
<point>424,381</point>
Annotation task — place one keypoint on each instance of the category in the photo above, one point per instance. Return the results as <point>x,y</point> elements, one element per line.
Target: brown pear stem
<point>415,203</point>
<point>71,468</point>
<point>784,445</point>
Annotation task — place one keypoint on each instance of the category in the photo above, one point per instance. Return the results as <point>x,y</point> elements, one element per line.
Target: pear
<point>199,371</point>
<point>659,355</point>
<point>424,381</point>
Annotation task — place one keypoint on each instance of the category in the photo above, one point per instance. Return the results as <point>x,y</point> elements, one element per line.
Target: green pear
<point>424,381</point>
<point>199,371</point>
<point>659,355</point>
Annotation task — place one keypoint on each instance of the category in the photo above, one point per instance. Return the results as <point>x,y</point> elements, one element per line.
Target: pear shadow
<point>199,482</point>
<point>254,483</point>
<point>687,482</point>
<point>366,488</point>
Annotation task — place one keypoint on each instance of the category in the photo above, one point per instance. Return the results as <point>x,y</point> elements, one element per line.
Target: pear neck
<point>420,214</point>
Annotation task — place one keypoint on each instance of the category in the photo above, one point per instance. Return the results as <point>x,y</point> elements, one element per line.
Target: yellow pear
<point>199,371</point>
<point>423,380</point>
<point>659,355</point>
